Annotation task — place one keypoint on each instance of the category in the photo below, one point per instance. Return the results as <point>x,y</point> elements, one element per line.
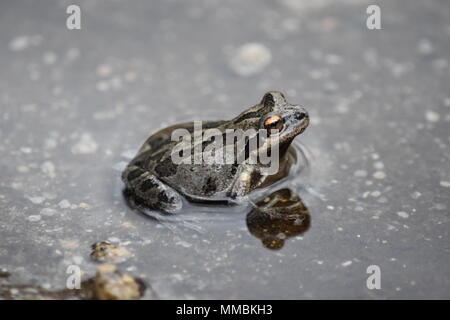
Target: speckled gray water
<point>76,105</point>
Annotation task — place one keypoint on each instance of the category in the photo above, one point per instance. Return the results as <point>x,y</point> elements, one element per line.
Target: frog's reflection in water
<point>277,217</point>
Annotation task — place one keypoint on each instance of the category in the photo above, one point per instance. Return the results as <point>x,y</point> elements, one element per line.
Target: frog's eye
<point>273,122</point>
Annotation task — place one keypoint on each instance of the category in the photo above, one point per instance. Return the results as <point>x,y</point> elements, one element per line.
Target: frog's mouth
<point>296,121</point>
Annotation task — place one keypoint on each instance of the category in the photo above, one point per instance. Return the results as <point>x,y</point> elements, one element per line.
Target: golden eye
<point>273,122</point>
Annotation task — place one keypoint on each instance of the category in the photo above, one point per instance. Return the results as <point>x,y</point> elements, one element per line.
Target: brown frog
<point>157,182</point>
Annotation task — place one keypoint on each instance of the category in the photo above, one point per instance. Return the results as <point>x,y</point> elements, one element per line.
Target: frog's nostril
<point>300,116</point>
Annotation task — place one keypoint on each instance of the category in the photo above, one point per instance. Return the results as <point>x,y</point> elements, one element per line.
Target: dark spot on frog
<point>162,196</point>
<point>139,163</point>
<point>134,174</point>
<point>255,177</point>
<point>213,139</point>
<point>299,116</point>
<point>213,124</point>
<point>248,115</point>
<point>166,168</point>
<point>156,143</point>
<point>147,185</point>
<point>210,187</point>
<point>268,100</point>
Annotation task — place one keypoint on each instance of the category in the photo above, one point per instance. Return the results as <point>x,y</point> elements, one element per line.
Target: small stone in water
<point>416,195</point>
<point>64,204</point>
<point>445,184</point>
<point>34,218</point>
<point>85,145</point>
<point>432,116</point>
<point>37,200</point>
<point>402,214</point>
<point>347,263</point>
<point>48,168</point>
<point>360,173</point>
<point>379,175</point>
<point>48,212</point>
<point>250,59</point>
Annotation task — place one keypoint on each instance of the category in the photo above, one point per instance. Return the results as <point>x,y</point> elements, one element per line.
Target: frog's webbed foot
<point>152,191</point>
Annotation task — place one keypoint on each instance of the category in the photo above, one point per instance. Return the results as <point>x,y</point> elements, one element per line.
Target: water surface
<point>76,105</point>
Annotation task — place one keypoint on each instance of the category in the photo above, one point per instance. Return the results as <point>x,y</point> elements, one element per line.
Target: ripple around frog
<point>194,214</point>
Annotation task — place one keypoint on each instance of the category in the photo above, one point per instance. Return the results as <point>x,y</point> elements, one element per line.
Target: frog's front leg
<point>155,193</point>
<point>249,178</point>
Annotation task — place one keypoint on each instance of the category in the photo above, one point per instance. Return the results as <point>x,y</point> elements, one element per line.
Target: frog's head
<point>280,119</point>
<point>273,112</point>
<point>290,120</point>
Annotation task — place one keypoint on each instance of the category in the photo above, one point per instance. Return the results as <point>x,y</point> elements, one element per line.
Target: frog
<point>156,182</point>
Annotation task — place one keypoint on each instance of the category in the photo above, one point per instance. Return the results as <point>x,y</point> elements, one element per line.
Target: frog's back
<point>195,181</point>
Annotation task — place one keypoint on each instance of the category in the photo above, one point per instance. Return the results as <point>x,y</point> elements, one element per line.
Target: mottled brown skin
<point>107,252</point>
<point>157,182</point>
